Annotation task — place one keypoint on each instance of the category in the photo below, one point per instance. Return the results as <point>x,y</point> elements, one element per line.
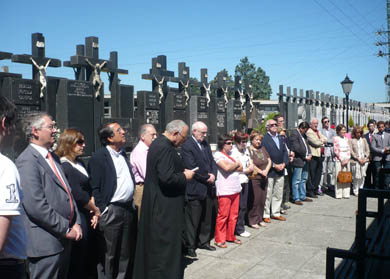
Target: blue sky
<point>308,44</point>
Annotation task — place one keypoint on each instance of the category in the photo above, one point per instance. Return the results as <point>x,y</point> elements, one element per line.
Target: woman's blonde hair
<point>67,141</point>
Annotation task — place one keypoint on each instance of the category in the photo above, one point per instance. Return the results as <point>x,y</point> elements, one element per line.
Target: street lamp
<point>347,87</point>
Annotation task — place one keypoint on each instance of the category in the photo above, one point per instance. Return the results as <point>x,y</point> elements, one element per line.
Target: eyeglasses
<point>80,142</point>
<point>229,143</point>
<point>326,121</point>
<point>243,141</point>
<point>50,127</point>
<point>273,125</point>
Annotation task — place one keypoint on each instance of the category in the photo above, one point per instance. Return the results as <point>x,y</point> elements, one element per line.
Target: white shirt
<point>76,165</point>
<point>10,205</point>
<point>124,182</point>
<point>244,158</point>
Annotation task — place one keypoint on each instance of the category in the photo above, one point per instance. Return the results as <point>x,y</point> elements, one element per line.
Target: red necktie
<point>63,185</point>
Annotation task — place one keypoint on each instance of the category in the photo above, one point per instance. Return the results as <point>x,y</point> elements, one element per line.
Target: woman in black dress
<point>70,146</point>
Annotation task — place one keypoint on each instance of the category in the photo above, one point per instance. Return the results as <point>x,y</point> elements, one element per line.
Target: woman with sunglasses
<point>241,153</point>
<point>70,147</point>
<point>228,192</point>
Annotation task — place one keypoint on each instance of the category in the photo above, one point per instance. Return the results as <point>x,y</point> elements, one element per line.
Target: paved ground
<point>292,249</point>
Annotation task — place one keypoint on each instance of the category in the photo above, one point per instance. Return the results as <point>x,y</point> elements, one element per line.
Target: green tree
<point>257,78</point>
<point>350,122</point>
<point>261,128</point>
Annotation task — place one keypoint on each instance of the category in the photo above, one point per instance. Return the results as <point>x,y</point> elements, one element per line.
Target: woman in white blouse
<point>360,154</point>
<point>342,151</point>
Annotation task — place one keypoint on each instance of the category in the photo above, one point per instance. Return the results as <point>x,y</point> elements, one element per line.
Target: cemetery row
<point>80,102</point>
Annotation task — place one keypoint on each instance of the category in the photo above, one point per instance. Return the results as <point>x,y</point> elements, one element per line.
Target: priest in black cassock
<point>159,242</point>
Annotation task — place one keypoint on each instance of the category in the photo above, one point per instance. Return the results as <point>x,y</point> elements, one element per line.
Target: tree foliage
<point>257,78</point>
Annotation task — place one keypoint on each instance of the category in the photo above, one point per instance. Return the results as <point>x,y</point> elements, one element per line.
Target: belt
<point>11,261</point>
<point>126,205</point>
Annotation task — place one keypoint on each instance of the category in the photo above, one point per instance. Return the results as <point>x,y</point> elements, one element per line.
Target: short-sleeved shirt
<point>244,158</point>
<point>11,205</point>
<point>260,159</point>
<point>227,183</point>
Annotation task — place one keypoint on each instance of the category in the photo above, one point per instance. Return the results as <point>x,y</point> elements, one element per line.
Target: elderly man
<point>53,219</point>
<point>13,240</point>
<point>279,157</point>
<point>158,253</point>
<point>371,171</point>
<point>112,183</point>
<point>147,134</point>
<point>196,152</point>
<point>381,154</point>
<point>328,163</point>
<point>317,143</point>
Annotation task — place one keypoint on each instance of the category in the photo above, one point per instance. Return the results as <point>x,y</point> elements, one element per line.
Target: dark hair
<point>323,118</point>
<point>105,132</point>
<point>373,121</point>
<point>380,123</point>
<point>221,141</point>
<point>67,142</point>
<point>354,131</point>
<point>304,125</point>
<point>276,117</point>
<point>339,128</point>
<point>7,111</point>
<point>239,136</point>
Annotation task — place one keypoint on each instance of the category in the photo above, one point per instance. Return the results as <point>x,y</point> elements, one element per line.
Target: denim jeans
<point>299,182</point>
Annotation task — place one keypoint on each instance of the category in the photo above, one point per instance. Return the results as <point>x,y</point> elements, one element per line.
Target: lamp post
<point>347,87</point>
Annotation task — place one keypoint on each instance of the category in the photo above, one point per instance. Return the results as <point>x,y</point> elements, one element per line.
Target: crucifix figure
<point>160,88</point>
<point>251,101</point>
<point>185,86</point>
<point>225,95</point>
<point>96,81</point>
<point>207,90</point>
<point>42,74</point>
<point>242,97</point>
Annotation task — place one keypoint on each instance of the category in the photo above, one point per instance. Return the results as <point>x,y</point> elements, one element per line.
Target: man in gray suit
<point>328,163</point>
<point>380,146</point>
<point>52,216</point>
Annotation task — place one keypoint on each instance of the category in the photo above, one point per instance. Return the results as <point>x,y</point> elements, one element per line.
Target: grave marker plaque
<point>148,109</point>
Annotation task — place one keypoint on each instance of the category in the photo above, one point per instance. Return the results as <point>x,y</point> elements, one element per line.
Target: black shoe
<point>285,207</point>
<point>207,247</point>
<point>319,193</point>
<point>191,253</point>
<point>311,195</point>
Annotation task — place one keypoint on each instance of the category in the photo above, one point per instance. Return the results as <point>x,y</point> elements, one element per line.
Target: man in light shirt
<point>13,240</point>
<point>53,219</point>
<point>112,182</point>
<point>147,133</point>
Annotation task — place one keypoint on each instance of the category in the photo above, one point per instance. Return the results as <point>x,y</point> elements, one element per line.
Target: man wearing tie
<point>381,146</point>
<point>52,216</point>
<point>370,174</point>
<point>196,152</point>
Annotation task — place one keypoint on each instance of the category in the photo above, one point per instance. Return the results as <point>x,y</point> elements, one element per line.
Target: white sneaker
<point>245,234</point>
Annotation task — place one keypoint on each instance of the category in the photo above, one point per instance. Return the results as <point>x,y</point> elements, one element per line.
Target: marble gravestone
<point>235,107</point>
<point>218,107</point>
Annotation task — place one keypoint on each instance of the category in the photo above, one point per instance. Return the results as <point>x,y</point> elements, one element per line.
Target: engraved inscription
<point>25,92</point>
<point>220,106</point>
<point>151,100</point>
<point>179,101</point>
<point>79,89</point>
<point>202,104</point>
<point>237,116</point>
<point>22,111</point>
<point>220,120</point>
<point>202,115</point>
<point>152,117</point>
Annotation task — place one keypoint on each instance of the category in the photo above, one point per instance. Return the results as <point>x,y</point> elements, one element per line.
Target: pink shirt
<point>138,161</point>
<point>227,183</point>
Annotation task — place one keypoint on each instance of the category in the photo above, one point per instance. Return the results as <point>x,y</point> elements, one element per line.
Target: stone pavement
<point>292,249</point>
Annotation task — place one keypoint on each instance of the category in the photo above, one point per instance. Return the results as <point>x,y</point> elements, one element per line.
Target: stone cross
<point>238,92</point>
<point>184,81</point>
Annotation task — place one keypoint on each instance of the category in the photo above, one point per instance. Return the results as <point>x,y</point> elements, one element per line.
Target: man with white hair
<point>147,134</point>
<point>279,157</point>
<point>196,152</point>
<point>158,252</point>
<point>317,146</point>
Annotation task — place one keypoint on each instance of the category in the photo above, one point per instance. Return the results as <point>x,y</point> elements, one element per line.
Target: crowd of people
<point>135,217</point>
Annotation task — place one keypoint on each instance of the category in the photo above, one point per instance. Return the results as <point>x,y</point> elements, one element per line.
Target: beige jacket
<point>316,143</point>
<point>355,150</point>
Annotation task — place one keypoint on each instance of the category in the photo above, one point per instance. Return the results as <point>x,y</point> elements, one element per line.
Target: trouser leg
<point>240,227</point>
<point>193,212</point>
<point>277,196</point>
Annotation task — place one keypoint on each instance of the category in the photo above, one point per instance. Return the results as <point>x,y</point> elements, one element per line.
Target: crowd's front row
<point>75,217</point>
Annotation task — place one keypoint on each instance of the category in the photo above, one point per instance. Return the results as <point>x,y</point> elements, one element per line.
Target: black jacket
<point>102,176</point>
<point>198,188</point>
<point>299,149</point>
<point>277,155</point>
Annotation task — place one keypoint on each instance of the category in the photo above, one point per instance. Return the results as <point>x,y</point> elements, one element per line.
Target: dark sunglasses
<point>80,142</point>
<point>229,143</point>
<point>273,125</point>
<point>326,121</point>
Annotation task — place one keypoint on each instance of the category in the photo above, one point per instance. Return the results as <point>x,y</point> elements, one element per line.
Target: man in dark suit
<point>279,157</point>
<point>300,163</point>
<point>381,153</point>
<point>158,253</point>
<point>371,172</point>
<point>53,219</point>
<point>196,152</point>
<point>112,183</point>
